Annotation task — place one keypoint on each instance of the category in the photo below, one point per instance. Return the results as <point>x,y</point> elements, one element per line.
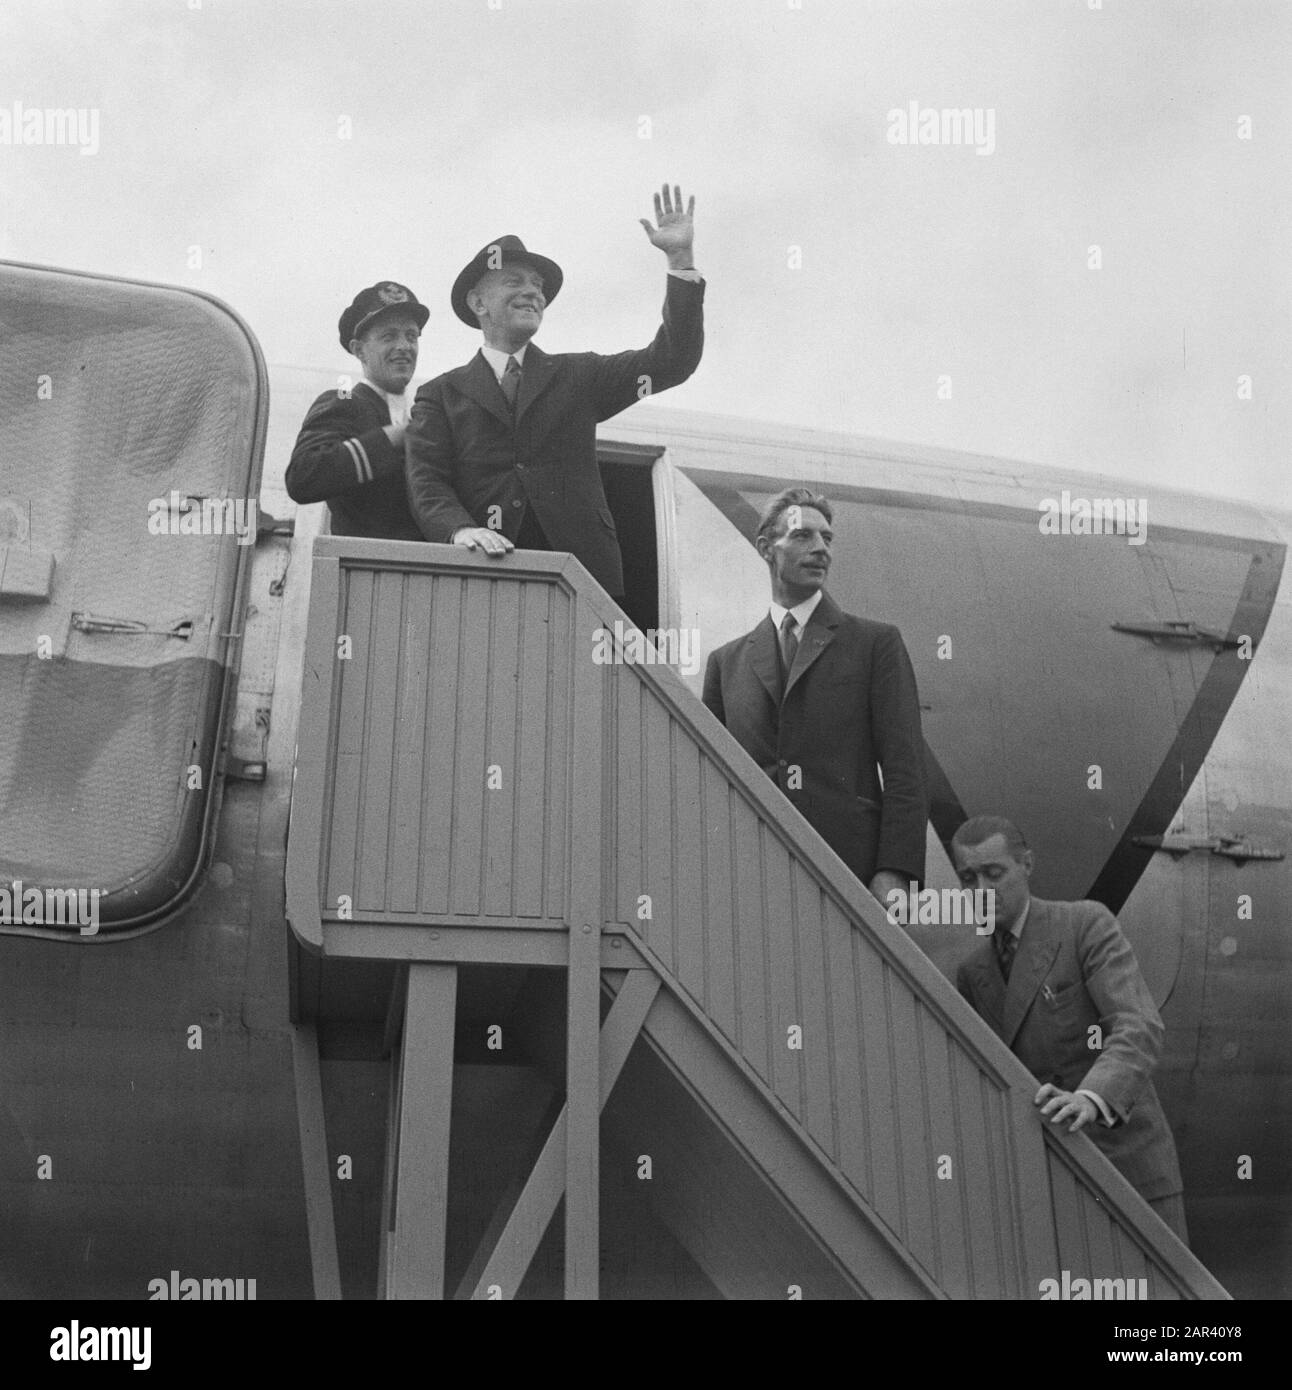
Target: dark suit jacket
<point>467,455</point>
<point>342,457</point>
<point>850,708</point>
<point>1074,969</point>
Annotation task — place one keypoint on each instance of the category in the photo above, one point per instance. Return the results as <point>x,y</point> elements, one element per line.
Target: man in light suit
<point>502,452</point>
<point>350,451</point>
<point>1060,984</point>
<point>824,702</point>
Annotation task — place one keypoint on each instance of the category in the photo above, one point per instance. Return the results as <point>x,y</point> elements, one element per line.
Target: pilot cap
<point>375,300</point>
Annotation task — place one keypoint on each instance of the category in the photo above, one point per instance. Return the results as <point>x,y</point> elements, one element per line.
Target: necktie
<point>789,646</point>
<point>511,381</point>
<point>1006,943</point>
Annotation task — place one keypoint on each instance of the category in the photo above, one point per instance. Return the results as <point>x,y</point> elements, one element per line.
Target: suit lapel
<point>817,636</point>
<point>536,376</point>
<point>764,658</point>
<point>988,988</point>
<point>1037,948</point>
<point>477,382</point>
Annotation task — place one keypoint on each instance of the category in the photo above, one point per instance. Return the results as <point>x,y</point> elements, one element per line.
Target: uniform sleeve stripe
<point>367,462</point>
<point>358,462</point>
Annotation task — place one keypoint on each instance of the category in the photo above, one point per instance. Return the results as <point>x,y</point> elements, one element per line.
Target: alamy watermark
<point>50,907</point>
<point>943,907</point>
<point>76,1343</point>
<point>657,646</point>
<point>1092,1290</point>
<point>181,515</point>
<point>1067,515</point>
<point>189,1290</point>
<point>914,124</point>
<point>50,125</point>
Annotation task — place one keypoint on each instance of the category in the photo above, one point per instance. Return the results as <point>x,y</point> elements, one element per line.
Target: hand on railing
<point>482,538</point>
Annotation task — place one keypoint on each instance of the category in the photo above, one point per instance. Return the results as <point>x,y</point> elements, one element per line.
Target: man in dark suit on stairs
<point>1060,985</point>
<point>502,452</point>
<point>825,702</point>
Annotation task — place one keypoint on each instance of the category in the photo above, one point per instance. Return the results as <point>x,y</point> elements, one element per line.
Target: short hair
<point>979,828</point>
<point>769,517</point>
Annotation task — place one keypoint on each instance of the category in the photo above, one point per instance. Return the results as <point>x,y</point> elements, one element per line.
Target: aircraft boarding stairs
<point>810,1106</point>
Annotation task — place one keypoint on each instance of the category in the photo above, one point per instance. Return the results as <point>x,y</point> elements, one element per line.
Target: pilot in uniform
<point>350,451</point>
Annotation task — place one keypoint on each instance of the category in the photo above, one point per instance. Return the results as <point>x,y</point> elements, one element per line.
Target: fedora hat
<point>502,251</point>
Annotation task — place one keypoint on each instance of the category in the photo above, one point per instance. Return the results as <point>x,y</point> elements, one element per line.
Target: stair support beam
<point>502,1272</point>
<point>417,1181</point>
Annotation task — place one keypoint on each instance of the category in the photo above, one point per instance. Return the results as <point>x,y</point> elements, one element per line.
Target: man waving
<point>502,452</point>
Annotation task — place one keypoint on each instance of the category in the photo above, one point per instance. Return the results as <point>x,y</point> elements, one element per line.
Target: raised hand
<point>676,230</point>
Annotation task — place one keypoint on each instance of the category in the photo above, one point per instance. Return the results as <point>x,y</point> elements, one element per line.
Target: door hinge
<point>1240,850</point>
<point>245,769</point>
<point>1186,632</point>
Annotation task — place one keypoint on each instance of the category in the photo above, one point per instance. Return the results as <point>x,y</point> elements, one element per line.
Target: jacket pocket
<point>1069,1006</point>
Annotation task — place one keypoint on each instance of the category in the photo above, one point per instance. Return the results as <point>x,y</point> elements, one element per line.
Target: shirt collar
<point>802,611</point>
<point>1016,930</point>
<point>397,405</point>
<point>497,359</point>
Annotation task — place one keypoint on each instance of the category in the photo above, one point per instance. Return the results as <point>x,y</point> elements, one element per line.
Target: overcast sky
<point>311,149</point>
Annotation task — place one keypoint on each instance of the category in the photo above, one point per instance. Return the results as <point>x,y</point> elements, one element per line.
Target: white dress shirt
<point>802,612</point>
<point>497,359</point>
<point>398,405</point>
